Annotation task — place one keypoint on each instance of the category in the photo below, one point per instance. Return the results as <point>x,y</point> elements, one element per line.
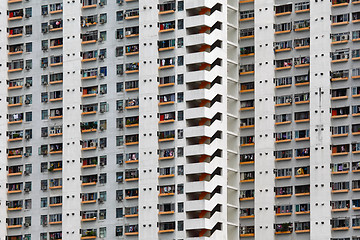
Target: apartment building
<point>298,119</point>
<point>203,119</point>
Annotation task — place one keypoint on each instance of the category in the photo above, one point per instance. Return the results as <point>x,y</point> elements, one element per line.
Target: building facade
<point>202,119</point>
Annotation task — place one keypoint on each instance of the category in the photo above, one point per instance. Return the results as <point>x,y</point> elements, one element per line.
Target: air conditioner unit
<point>120,109</point>
<point>44,188</point>
<point>277,47</point>
<point>121,2</point>
<point>121,162</point>
<point>101,200</point>
<point>119,198</point>
<point>26,173</point>
<point>128,33</point>
<point>27,189</point>
<point>27,68</point>
<point>101,40</point>
<point>44,224</point>
<point>101,4</point>
<point>27,15</point>
<point>44,48</point>
<point>45,82</point>
<point>121,72</point>
<point>102,164</point>
<point>51,26</point>
<point>27,85</point>
<point>121,36</point>
<point>102,128</point>
<point>102,214</point>
<point>45,100</point>
<point>102,145</point>
<point>27,137</point>
<point>102,57</point>
<point>27,154</point>
<point>102,75</point>
<point>93,144</point>
<point>45,30</point>
<point>27,101</point>
<point>102,21</point>
<point>26,224</point>
<point>102,110</point>
<point>102,91</point>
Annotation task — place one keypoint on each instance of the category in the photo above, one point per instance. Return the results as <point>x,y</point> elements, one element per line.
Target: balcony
<point>166,99</point>
<point>246,33</point>
<point>166,154</point>
<point>283,192</point>
<point>301,172</point>
<point>131,86</point>
<point>340,224</point>
<point>132,158</point>
<point>341,112</point>
<point>302,135</point>
<point>247,15</point>
<point>300,62</point>
<point>15,188</point>
<point>56,113</point>
<point>283,28</point>
<point>55,183</point>
<point>303,190</point>
<point>302,25</point>
<point>15,170</point>
<point>247,69</point>
<point>89,180</point>
<point>91,73</point>
<point>340,3</point>
<point>283,10</point>
<point>167,117</point>
<point>88,233</point>
<point>88,216</point>
<point>167,191</point>
<point>132,139</point>
<point>166,136</point>
<point>246,195</point>
<point>284,173</point>
<point>132,103</point>
<point>89,91</point>
<point>132,50</point>
<point>87,21</point>
<point>302,209</point>
<point>166,8</point>
<point>88,127</point>
<point>56,8</point>
<point>283,228</point>
<point>247,141</point>
<point>247,231</point>
<point>89,4</point>
<point>56,148</point>
<point>166,208</point>
<point>356,185</point>
<point>55,166</point>
<point>55,25</point>
<point>340,187</point>
<point>131,194</point>
<point>166,81</point>
<point>15,153</point>
<point>131,32</point>
<point>167,26</point>
<point>283,137</point>
<point>89,56</point>
<point>131,175</point>
<point>283,119</point>
<point>340,206</point>
<point>89,162</point>
<point>340,55</point>
<point>15,65</point>
<point>131,212</point>
<point>131,14</point>
<point>302,43</point>
<point>88,198</point>
<point>16,32</point>
<point>89,109</point>
<point>166,45</point>
<point>283,155</point>
<point>247,123</point>
<point>247,105</point>
<point>90,144</point>
<point>167,172</point>
<point>15,49</point>
<point>339,150</point>
<point>56,43</point>
<point>340,168</point>
<point>341,75</point>
<point>284,210</point>
<point>166,227</point>
<point>247,51</point>
<point>15,136</point>
<point>166,63</point>
<point>281,101</point>
<point>302,227</point>
<point>55,201</point>
<point>284,64</point>
<point>131,68</point>
<point>89,37</point>
<point>246,177</point>
<point>131,230</point>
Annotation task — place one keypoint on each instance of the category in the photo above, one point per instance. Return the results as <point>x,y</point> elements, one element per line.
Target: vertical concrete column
<point>148,121</point>
<point>320,119</point>
<point>264,121</point>
<point>71,121</point>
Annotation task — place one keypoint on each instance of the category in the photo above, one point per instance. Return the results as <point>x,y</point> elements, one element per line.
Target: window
<point>102,178</point>
<point>180,42</point>
<point>28,168</point>
<point>119,51</point>
<point>103,18</point>
<point>180,79</point>
<point>119,87</point>
<point>180,207</point>
<point>180,189</point>
<point>43,202</point>
<point>43,236</point>
<point>180,133</point>
<point>103,89</point>
<point>44,167</point>
<point>103,160</point>
<point>102,232</point>
<point>104,107</point>
<point>180,152</point>
<point>181,24</point>
<point>28,80</point>
<point>119,141</point>
<point>28,47</point>
<point>102,195</point>
<point>28,29</point>
<point>44,114</point>
<point>119,69</point>
<point>180,225</point>
<point>180,97</point>
<point>28,116</point>
<point>102,36</point>
<point>103,71</point>
<point>119,15</point>
<point>119,212</point>
<point>44,10</point>
<point>119,231</point>
<point>180,60</point>
<point>28,12</point>
<point>119,159</point>
<point>102,214</point>
<point>180,6</point>
<point>28,64</point>
<point>181,170</point>
<point>180,115</point>
<point>27,203</point>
